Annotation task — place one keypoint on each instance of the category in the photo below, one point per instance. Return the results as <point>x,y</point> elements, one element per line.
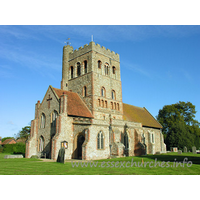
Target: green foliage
<point>5,138</point>
<point>179,126</point>
<point>18,148</point>
<point>1,149</point>
<point>24,133</point>
<point>8,148</point>
<point>34,156</point>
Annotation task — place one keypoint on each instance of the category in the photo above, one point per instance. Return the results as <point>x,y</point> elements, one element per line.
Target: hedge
<point>18,148</point>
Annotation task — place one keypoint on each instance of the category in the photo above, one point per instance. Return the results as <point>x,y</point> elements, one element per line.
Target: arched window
<point>99,102</point>
<point>115,106</point>
<point>102,103</point>
<point>42,120</point>
<point>54,116</point>
<point>103,92</point>
<point>100,142</point>
<point>106,69</point>
<point>85,66</point>
<point>111,105</point>
<point>84,91</point>
<point>41,143</point>
<point>152,138</point>
<point>126,143</point>
<point>113,69</point>
<point>106,104</point>
<point>72,71</point>
<point>113,95</point>
<point>99,64</point>
<point>78,69</point>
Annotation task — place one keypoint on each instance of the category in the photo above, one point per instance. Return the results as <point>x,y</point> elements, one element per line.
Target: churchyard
<point>173,163</point>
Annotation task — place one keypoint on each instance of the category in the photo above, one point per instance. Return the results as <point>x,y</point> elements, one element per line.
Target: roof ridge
<point>64,90</point>
<point>134,106</point>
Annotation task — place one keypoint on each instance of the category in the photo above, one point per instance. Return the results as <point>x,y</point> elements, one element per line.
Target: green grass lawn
<point>24,166</point>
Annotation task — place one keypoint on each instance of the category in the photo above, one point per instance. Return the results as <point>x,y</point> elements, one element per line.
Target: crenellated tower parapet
<point>93,47</point>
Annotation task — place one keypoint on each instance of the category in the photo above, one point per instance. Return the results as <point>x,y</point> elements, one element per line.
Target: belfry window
<point>103,91</point>
<point>42,121</point>
<point>84,91</point>
<point>113,69</point>
<point>72,71</point>
<point>113,95</point>
<point>85,66</point>
<point>99,64</point>
<point>100,142</point>
<point>78,69</point>
<point>106,69</point>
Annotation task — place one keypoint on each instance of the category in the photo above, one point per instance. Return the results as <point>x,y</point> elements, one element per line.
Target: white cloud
<point>17,32</point>
<point>29,59</point>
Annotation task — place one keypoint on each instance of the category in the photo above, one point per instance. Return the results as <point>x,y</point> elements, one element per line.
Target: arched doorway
<point>80,141</point>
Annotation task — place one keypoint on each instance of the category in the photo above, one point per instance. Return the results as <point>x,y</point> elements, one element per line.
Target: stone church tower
<point>94,73</point>
<point>87,116</point>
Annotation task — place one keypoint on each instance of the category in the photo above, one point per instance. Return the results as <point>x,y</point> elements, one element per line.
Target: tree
<point>24,133</point>
<point>179,126</point>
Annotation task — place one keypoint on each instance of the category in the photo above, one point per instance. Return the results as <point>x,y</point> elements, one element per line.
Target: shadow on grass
<point>195,158</point>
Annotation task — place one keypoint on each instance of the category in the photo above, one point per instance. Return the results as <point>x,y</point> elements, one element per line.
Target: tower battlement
<point>93,47</point>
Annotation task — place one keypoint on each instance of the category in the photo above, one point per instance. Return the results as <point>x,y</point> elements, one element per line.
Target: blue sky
<point>159,65</point>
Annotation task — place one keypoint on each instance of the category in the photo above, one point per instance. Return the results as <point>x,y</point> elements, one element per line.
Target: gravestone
<point>174,149</point>
<point>185,149</point>
<point>61,156</point>
<point>179,152</point>
<point>194,150</point>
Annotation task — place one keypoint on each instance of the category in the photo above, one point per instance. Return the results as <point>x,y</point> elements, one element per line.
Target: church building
<point>87,117</point>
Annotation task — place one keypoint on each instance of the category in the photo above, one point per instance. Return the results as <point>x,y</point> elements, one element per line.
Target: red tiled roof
<point>21,140</point>
<point>140,115</point>
<point>75,105</point>
<point>8,141</point>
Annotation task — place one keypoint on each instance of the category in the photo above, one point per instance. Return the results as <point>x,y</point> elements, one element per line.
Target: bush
<point>19,148</point>
<point>34,156</point>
